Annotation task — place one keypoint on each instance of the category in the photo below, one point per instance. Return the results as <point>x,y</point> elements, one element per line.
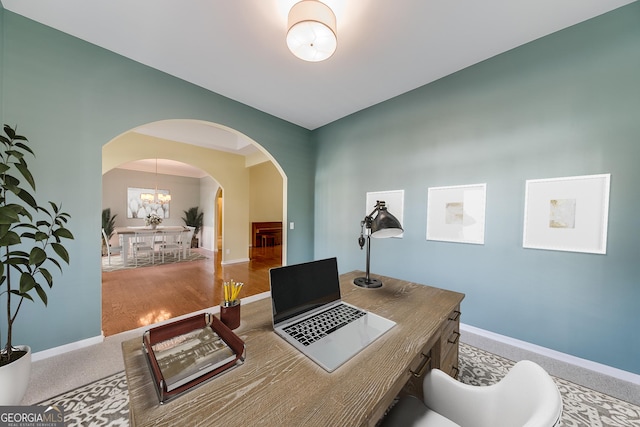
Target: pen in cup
<point>230,307</point>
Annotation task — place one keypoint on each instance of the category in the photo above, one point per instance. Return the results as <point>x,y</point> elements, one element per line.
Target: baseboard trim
<point>596,376</point>
<point>76,345</point>
<point>235,261</point>
<point>553,354</point>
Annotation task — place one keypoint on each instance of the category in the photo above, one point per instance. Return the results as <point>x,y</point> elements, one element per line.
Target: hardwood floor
<point>142,296</point>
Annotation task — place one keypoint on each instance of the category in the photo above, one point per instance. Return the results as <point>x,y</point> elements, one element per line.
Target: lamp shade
<point>311,34</point>
<point>385,225</point>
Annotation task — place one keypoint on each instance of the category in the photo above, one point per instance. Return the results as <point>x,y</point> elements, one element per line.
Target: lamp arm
<point>367,222</point>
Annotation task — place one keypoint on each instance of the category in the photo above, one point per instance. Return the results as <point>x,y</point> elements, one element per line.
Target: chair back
<point>527,396</point>
<point>188,237</point>
<point>106,239</point>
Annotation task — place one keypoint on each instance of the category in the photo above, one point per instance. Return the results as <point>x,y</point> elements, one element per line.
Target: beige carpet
<point>116,261</point>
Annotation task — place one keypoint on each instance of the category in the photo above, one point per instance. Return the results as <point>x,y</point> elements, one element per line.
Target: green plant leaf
<point>63,233</point>
<point>8,215</point>
<point>10,238</point>
<point>15,153</point>
<point>25,147</point>
<point>40,236</point>
<point>37,256</point>
<point>27,296</point>
<point>47,276</point>
<point>41,293</point>
<point>27,282</point>
<point>27,197</point>
<point>55,261</point>
<point>9,131</point>
<point>61,251</point>
<point>54,207</point>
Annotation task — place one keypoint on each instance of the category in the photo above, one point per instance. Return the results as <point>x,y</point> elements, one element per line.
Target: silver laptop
<point>309,314</point>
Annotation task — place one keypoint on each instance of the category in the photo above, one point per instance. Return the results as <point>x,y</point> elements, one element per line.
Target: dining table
<point>126,234</point>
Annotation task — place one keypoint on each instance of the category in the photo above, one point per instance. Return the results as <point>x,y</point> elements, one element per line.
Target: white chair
<point>186,239</point>
<point>143,244</point>
<point>169,242</point>
<point>110,249</point>
<point>526,396</point>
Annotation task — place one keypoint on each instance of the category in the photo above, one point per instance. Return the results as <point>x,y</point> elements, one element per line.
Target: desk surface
<point>278,385</point>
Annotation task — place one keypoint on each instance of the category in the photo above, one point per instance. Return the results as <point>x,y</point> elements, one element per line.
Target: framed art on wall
<point>457,213</point>
<point>567,214</point>
<point>138,207</point>
<point>394,200</point>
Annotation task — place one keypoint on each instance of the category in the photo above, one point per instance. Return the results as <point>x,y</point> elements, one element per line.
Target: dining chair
<point>187,237</point>
<point>110,249</point>
<point>169,242</point>
<point>143,243</point>
<point>527,396</point>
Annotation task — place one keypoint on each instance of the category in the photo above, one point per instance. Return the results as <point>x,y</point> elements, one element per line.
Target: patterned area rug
<point>102,403</point>
<point>581,405</point>
<point>116,261</point>
<point>106,402</point>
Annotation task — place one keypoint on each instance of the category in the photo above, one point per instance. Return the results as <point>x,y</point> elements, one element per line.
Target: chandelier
<point>156,196</point>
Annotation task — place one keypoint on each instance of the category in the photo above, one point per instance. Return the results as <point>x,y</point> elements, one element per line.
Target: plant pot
<point>14,378</point>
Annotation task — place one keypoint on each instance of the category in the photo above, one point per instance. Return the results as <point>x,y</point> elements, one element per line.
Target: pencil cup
<point>230,313</point>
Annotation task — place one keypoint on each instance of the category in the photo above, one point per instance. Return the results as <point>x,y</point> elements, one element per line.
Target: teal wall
<point>564,105</point>
<point>70,98</point>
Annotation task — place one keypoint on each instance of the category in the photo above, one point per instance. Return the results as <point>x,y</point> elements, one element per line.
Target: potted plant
<point>193,218</point>
<point>30,242</point>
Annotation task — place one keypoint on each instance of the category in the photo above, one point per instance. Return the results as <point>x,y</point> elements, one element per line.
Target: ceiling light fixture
<point>311,34</point>
<point>156,197</point>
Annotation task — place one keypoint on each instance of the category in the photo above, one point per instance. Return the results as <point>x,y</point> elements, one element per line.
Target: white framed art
<point>567,214</point>
<point>394,201</point>
<point>139,208</point>
<point>457,213</point>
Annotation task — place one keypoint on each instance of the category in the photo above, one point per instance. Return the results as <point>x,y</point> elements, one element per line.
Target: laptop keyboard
<point>322,324</point>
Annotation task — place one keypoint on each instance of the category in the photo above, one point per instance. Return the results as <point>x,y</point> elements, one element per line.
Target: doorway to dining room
<point>225,197</point>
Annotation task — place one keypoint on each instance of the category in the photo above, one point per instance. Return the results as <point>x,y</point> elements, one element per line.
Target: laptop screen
<point>296,289</point>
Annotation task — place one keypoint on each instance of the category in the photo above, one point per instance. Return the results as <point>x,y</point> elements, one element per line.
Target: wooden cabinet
<point>449,344</point>
<point>441,353</point>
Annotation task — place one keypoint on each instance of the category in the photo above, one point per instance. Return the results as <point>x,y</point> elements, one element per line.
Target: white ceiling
<point>237,47</point>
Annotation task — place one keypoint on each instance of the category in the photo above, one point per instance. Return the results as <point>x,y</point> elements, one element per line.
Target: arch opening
<point>220,159</point>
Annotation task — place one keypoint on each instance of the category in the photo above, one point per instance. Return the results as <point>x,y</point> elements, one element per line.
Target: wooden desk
<point>278,386</point>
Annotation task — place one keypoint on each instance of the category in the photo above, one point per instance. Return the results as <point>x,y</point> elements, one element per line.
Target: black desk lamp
<point>382,226</point>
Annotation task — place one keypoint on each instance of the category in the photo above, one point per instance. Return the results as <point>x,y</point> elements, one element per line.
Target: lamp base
<point>364,283</point>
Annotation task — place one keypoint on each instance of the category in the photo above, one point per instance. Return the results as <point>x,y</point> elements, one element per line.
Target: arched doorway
<point>223,228</point>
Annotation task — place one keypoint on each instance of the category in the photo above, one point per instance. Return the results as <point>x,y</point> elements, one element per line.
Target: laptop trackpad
<point>338,347</point>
